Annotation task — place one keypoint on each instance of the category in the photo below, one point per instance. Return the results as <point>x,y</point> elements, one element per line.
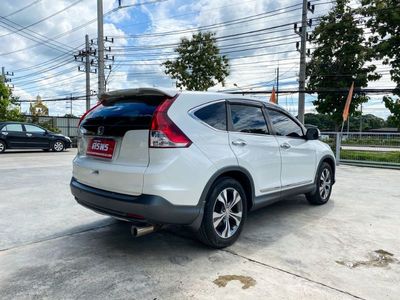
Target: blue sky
<point>46,67</point>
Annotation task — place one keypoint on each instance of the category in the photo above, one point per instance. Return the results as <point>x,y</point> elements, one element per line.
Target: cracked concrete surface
<point>50,247</point>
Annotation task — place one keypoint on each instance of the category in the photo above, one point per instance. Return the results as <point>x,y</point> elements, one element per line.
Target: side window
<point>31,128</point>
<point>249,119</point>
<point>284,125</point>
<point>13,127</point>
<point>214,115</point>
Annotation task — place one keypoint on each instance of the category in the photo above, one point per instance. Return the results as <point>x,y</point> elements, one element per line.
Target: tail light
<point>87,112</point>
<point>163,132</point>
<point>81,144</point>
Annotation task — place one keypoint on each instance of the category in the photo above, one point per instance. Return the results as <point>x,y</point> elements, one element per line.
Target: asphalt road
<point>50,247</point>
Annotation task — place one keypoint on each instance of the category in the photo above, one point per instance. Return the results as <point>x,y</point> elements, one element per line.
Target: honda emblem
<point>100,130</point>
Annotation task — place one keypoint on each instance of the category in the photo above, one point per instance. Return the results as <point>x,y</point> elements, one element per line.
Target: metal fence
<point>361,148</point>
<point>365,148</point>
<point>67,125</point>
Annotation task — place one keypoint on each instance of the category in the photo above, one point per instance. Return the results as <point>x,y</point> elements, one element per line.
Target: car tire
<point>3,146</point>
<point>225,213</point>
<point>324,182</point>
<point>58,146</point>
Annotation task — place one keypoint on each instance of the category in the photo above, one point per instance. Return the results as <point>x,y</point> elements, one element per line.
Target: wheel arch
<point>4,141</point>
<point>331,161</point>
<point>238,173</point>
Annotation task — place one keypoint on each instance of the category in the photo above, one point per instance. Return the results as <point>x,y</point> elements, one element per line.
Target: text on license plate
<point>101,147</point>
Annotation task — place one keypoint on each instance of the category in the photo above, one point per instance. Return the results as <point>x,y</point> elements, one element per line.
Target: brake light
<point>86,113</point>
<point>163,132</point>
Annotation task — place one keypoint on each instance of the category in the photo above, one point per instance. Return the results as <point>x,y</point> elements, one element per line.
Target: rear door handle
<point>285,146</point>
<point>239,142</point>
<point>29,134</point>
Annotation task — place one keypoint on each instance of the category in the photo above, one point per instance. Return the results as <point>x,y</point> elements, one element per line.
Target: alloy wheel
<point>227,213</point>
<point>325,184</point>
<point>58,146</point>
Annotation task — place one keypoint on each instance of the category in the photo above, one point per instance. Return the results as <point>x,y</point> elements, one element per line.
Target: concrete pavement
<point>50,247</point>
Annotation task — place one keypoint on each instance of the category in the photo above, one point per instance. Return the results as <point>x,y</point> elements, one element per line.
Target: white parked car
<point>154,157</point>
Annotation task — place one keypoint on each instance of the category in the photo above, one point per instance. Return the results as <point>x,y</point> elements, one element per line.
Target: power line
<point>63,72</point>
<point>48,62</point>
<point>212,26</point>
<point>44,19</point>
<point>325,90</point>
<point>28,36</point>
<point>59,83</point>
<point>22,9</point>
<point>36,36</point>
<point>172,45</point>
<point>78,27</point>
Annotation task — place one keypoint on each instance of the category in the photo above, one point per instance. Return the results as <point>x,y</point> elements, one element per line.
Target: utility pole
<point>71,105</point>
<point>302,75</point>
<point>84,56</point>
<point>303,53</point>
<point>100,44</point>
<point>69,117</point>
<point>361,120</point>
<point>87,71</point>
<point>4,79</point>
<point>277,85</point>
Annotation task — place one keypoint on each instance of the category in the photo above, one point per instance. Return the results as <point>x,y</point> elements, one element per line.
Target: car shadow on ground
<point>263,227</point>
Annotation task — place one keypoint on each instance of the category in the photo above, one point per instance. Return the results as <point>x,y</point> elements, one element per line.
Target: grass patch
<point>368,141</point>
<point>388,157</point>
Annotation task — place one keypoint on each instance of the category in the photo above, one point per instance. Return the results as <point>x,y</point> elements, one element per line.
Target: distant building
<point>38,108</point>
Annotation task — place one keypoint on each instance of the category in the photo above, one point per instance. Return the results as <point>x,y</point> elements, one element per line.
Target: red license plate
<point>99,147</point>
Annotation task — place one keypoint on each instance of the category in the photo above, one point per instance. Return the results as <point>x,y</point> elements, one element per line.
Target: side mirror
<point>312,133</point>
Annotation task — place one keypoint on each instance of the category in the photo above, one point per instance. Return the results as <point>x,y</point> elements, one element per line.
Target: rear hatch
<point>113,151</point>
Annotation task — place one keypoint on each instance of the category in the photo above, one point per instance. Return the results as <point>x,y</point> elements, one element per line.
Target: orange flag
<point>348,101</point>
<point>273,96</point>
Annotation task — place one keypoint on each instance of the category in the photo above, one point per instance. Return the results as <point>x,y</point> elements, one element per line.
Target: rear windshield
<point>122,115</point>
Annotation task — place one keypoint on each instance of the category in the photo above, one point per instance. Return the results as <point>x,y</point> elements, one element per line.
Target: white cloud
<point>167,16</point>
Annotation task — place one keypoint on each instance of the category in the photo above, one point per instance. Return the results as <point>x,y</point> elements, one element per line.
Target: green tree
<point>339,59</point>
<point>383,18</point>
<point>199,64</point>
<point>323,122</point>
<point>391,122</point>
<point>8,111</point>
<point>394,106</point>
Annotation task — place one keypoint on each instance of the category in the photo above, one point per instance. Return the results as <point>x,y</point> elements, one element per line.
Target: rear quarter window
<point>213,115</point>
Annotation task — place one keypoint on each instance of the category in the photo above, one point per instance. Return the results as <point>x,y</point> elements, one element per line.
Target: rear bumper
<point>145,208</point>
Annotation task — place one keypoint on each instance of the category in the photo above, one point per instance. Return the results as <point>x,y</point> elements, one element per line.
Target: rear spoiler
<point>110,96</point>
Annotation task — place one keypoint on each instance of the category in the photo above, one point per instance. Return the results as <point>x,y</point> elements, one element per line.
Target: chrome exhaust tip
<point>140,231</point>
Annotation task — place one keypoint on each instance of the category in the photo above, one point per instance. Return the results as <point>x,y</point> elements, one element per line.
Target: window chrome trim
<point>287,186</point>
<point>267,190</point>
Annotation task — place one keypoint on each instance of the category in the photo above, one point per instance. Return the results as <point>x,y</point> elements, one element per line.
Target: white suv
<point>195,158</point>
